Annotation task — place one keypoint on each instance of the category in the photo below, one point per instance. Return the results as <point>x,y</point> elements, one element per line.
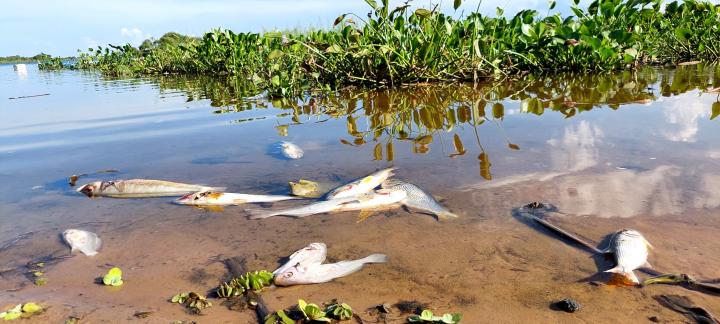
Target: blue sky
<point>61,27</point>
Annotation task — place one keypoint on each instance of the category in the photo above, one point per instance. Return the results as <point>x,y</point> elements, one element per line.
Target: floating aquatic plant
<point>312,312</point>
<point>20,310</point>
<point>427,316</point>
<point>113,277</point>
<point>254,281</point>
<point>192,301</point>
<point>339,311</point>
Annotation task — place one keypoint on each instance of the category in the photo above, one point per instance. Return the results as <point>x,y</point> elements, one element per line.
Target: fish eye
<point>288,275</point>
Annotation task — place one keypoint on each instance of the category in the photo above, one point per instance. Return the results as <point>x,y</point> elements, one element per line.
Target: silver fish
<point>631,252</point>
<point>361,186</point>
<point>211,198</point>
<point>325,206</point>
<point>377,199</point>
<point>419,199</point>
<point>312,271</point>
<point>291,151</point>
<point>87,242</point>
<point>140,188</point>
<point>314,253</point>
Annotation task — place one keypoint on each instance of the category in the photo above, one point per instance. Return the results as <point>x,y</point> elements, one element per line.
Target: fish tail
<point>446,215</point>
<point>258,214</point>
<point>375,258</point>
<point>627,274</point>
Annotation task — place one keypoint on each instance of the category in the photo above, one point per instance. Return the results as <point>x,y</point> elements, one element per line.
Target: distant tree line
<point>24,59</point>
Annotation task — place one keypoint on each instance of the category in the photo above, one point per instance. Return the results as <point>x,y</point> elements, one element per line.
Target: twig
<point>237,267</point>
<point>30,96</point>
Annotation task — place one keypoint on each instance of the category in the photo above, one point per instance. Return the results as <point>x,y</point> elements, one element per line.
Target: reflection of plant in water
<point>419,114</point>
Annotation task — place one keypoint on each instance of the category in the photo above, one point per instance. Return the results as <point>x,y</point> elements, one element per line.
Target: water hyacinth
<point>401,45</point>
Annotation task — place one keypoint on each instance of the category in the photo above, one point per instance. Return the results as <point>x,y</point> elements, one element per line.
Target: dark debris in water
<point>411,306</point>
<point>566,305</point>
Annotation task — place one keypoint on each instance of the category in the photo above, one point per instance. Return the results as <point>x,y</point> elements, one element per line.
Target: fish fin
<point>211,208</point>
<point>617,269</point>
<point>647,265</point>
<point>627,274</point>
<point>364,214</point>
<point>648,244</point>
<point>389,183</point>
<point>375,258</point>
<point>88,252</point>
<point>258,214</point>
<point>446,215</point>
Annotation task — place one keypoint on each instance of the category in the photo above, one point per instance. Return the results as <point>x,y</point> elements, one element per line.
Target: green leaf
<point>275,80</point>
<point>552,4</point>
<point>31,308</point>
<point>457,4</point>
<point>275,54</point>
<point>334,49</point>
<point>113,277</point>
<point>426,315</point>
<point>527,30</point>
<point>423,13</point>
<point>715,110</point>
<point>682,33</point>
<point>372,4</point>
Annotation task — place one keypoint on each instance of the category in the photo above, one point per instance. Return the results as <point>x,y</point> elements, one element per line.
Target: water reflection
<point>419,113</point>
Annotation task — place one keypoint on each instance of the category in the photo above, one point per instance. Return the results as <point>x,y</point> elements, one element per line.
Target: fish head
<point>75,236</point>
<point>341,192</point>
<point>289,277</point>
<point>198,198</point>
<point>91,189</point>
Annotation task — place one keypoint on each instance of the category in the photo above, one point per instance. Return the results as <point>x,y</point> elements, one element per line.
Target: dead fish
<point>324,206</point>
<point>87,242</point>
<point>140,188</point>
<point>419,199</point>
<point>291,151</point>
<point>212,198</point>
<point>314,253</point>
<point>315,272</point>
<point>377,199</point>
<point>361,186</point>
<point>631,252</point>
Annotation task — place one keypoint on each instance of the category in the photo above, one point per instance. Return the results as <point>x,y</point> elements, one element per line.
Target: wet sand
<point>651,168</point>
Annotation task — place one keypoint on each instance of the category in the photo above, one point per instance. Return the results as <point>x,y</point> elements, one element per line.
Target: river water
<point>627,150</point>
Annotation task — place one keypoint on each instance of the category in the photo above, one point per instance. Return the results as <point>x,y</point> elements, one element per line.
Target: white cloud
<point>134,33</point>
<point>683,117</point>
<point>577,149</point>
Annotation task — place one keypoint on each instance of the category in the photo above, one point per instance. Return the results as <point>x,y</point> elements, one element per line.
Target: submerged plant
<point>427,316</point>
<point>113,277</point>
<point>339,311</point>
<point>193,301</point>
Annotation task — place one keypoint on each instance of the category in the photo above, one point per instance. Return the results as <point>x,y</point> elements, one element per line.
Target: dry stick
<point>37,95</point>
<point>237,267</point>
<point>567,234</point>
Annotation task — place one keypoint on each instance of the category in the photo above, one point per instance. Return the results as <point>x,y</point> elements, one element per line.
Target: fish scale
<point>419,199</point>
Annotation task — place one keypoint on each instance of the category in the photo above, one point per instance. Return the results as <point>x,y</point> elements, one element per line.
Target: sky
<point>59,28</point>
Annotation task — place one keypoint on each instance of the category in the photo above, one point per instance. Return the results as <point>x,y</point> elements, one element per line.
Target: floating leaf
<point>459,147</point>
<point>282,130</point>
<point>715,110</point>
<point>113,277</point>
<point>498,110</point>
<point>424,140</point>
<point>31,308</point>
<point>513,146</point>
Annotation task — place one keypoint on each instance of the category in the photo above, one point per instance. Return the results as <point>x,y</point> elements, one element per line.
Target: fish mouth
<point>86,190</point>
<point>184,199</point>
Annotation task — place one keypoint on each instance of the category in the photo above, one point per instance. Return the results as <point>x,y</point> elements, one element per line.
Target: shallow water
<point>639,150</point>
